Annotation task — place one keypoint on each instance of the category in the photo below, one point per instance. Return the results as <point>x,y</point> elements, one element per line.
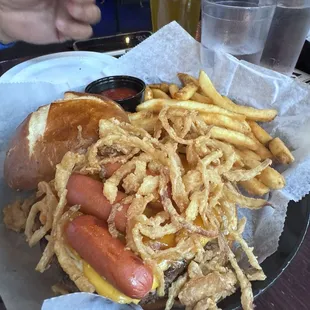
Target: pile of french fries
<point>231,123</point>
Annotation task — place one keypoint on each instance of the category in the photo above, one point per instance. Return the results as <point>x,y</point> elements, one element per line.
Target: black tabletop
<point>22,49</point>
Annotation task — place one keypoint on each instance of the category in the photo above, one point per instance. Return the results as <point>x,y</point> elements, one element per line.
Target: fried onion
<point>246,287</point>
<point>65,260</point>
<point>181,186</point>
<point>46,207</point>
<point>174,291</point>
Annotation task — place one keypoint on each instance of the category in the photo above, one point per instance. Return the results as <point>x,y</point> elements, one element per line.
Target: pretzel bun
<point>46,135</point>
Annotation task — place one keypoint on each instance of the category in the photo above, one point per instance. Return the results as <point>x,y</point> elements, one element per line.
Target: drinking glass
<point>239,28</point>
<point>287,35</point>
<point>185,12</point>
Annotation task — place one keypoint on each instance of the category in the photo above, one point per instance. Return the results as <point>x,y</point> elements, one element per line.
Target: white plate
<point>60,68</point>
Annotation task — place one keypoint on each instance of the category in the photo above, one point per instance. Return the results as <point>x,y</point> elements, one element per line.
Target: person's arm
<point>46,21</point>
<point>5,41</point>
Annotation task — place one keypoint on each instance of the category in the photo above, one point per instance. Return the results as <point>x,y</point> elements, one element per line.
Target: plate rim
<point>289,259</point>
<point>296,249</point>
<point>11,73</point>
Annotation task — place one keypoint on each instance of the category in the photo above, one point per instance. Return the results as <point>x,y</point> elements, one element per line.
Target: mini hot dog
<point>90,238</point>
<point>110,168</point>
<point>88,193</point>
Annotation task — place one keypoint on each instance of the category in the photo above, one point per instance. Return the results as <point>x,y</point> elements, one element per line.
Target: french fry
<point>233,137</point>
<point>186,92</point>
<point>147,124</point>
<point>270,177</point>
<point>144,119</point>
<point>227,147</point>
<point>261,150</point>
<point>263,115</point>
<point>261,134</point>
<point>140,115</point>
<point>159,94</point>
<point>246,153</point>
<point>173,89</point>
<point>200,92</point>
<point>255,187</point>
<point>244,202</point>
<point>225,121</point>
<point>70,95</point>
<point>162,86</point>
<point>187,79</point>
<point>148,94</point>
<point>156,105</point>
<point>225,103</point>
<point>280,151</point>
<point>200,98</point>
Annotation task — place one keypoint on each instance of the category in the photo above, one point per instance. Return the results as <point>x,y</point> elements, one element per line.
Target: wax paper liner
<point>160,58</point>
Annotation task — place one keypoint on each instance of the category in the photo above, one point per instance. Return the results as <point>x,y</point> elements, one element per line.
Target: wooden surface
<point>292,290</point>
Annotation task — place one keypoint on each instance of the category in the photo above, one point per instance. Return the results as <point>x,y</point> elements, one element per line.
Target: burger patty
<point>171,274</point>
<point>177,269</point>
<point>63,279</point>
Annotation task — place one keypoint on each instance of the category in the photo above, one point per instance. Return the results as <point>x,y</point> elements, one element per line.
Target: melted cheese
<point>168,240</point>
<point>104,288</point>
<point>199,222</point>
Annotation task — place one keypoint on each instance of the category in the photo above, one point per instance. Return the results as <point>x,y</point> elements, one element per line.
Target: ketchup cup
<point>128,91</point>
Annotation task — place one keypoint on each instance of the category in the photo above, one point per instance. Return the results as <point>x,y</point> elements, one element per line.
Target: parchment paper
<point>172,50</point>
<point>160,58</point>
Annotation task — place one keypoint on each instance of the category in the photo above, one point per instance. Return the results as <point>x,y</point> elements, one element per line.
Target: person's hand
<point>47,21</point>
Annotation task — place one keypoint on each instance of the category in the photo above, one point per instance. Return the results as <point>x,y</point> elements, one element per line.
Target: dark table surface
<point>290,292</point>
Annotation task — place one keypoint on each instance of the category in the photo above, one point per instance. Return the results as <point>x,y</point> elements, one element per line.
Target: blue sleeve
<point>4,46</point>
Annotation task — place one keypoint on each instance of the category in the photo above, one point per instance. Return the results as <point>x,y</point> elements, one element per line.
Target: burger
<point>43,138</point>
<point>123,212</point>
<point>39,144</point>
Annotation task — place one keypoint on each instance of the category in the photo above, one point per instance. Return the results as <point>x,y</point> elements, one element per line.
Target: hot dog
<point>90,238</point>
<point>110,168</point>
<point>88,193</point>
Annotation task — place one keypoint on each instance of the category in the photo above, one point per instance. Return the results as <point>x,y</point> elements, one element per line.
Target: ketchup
<point>119,93</point>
